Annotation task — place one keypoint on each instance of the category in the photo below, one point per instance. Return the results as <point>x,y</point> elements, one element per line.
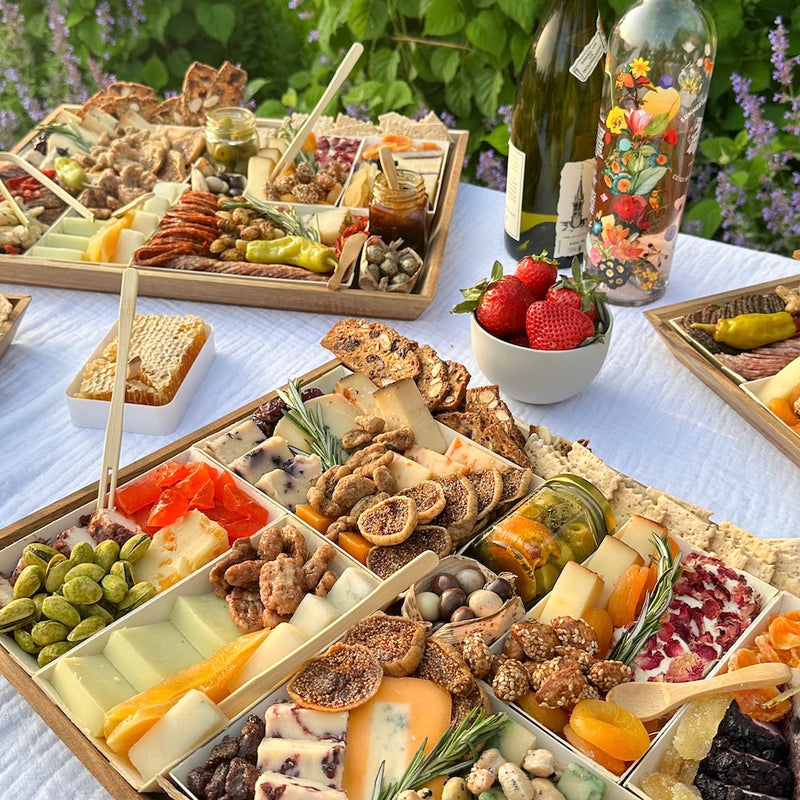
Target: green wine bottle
<point>553,131</point>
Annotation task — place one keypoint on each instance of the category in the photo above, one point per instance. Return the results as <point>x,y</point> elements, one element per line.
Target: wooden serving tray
<point>9,327</point>
<point>260,292</point>
<point>709,370</point>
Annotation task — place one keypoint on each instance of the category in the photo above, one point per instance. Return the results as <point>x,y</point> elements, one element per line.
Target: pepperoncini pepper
<point>70,173</point>
<point>294,250</point>
<point>747,331</point>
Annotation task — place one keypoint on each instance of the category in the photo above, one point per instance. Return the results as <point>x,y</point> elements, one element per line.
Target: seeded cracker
<point>374,349</point>
<point>433,381</point>
<point>741,549</point>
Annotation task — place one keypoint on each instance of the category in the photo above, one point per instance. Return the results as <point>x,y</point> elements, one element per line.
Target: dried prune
<point>241,781</point>
<point>268,415</point>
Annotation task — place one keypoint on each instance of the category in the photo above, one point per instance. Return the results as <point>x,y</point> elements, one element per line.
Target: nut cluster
<point>237,228</point>
<point>558,662</point>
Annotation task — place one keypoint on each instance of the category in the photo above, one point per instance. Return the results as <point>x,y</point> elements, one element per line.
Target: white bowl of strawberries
<point>539,337</point>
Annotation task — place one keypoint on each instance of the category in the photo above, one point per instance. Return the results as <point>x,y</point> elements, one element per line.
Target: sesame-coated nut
<point>576,633</point>
<point>512,648</point>
<point>539,673</point>
<point>511,681</point>
<point>537,640</point>
<point>605,675</point>
<point>583,657</point>
<point>563,689</point>
<point>477,655</point>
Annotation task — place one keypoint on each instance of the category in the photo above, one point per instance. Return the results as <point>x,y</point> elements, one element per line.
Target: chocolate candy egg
<point>461,614</point>
<point>484,603</point>
<point>470,579</point>
<point>428,605</point>
<point>501,587</point>
<point>443,582</point>
<point>450,600</point>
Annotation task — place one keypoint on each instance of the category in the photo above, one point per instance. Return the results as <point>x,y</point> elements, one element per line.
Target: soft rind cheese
<point>319,761</point>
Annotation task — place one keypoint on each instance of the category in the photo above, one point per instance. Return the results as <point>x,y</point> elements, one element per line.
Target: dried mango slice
<point>784,633</point>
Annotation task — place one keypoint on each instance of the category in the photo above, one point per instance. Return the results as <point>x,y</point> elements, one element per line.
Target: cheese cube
<point>780,384</point>
<point>89,686</point>
<point>473,457</point>
<point>609,561</point>
<point>234,443</point>
<point>436,463</point>
<point>189,722</point>
<point>272,784</point>
<point>147,654</point>
<point>144,222</point>
<point>68,240</point>
<point>273,453</point>
<point>290,721</point>
<point>408,473</point>
<point>282,641</point>
<point>401,404</point>
<point>156,205</point>
<point>129,240</point>
<point>319,761</point>
<point>359,390</point>
<point>638,533</point>
<point>351,587</point>
<point>313,614</point>
<point>338,414</point>
<point>576,589</point>
<point>177,550</point>
<point>205,621</point>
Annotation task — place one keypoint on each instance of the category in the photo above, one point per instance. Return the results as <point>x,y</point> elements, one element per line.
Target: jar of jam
<point>231,138</point>
<point>400,213</point>
<point>565,519</point>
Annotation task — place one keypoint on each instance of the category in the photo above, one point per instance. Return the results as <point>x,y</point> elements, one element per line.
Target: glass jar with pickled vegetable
<point>401,212</point>
<point>565,519</point>
<point>231,138</point>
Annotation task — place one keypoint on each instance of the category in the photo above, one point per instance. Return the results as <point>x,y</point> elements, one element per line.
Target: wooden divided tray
<point>731,387</point>
<point>258,291</point>
<point>8,328</point>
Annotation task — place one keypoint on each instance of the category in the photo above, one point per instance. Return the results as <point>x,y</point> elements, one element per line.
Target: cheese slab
<point>320,761</point>
<point>338,414</point>
<point>401,404</point>
<point>576,589</point>
<point>638,533</point>
<point>290,721</point>
<point>609,561</point>
<point>272,785</point>
<point>281,641</point>
<point>351,587</point>
<point>234,443</point>
<point>205,621</point>
<point>390,727</point>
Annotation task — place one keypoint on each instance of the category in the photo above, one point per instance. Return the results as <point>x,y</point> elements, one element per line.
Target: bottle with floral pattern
<point>658,68</point>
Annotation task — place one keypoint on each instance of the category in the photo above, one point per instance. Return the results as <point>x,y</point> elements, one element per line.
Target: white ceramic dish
<point>538,377</point>
<point>156,420</point>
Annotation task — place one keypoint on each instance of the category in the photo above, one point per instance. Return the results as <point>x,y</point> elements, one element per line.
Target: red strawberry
<point>579,292</point>
<point>520,339</point>
<point>555,326</point>
<point>499,303</point>
<point>538,273</point>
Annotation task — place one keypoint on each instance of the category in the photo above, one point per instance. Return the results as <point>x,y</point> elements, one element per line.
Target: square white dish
<point>138,418</point>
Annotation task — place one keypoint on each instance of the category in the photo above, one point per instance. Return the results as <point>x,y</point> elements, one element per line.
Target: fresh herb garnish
<point>285,217</point>
<point>655,604</point>
<point>69,130</point>
<point>312,424</point>
<point>456,749</point>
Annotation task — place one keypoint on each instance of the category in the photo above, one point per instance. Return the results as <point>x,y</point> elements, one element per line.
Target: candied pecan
<point>537,640</point>
<point>605,675</point>
<point>240,783</point>
<point>325,583</point>
<point>513,649</point>
<point>270,543</point>
<point>399,439</point>
<point>242,550</point>
<point>477,654</point>
<point>215,788</point>
<point>323,504</point>
<point>314,568</point>
<point>226,750</point>
<point>197,780</point>
<point>350,489</point>
<point>576,633</point>
<point>562,689</point>
<point>244,574</point>
<point>281,585</point>
<point>342,524</point>
<point>384,479</point>
<point>370,423</point>
<point>356,438</point>
<point>270,620</point>
<point>294,544</point>
<point>253,732</point>
<point>583,659</point>
<point>510,681</point>
<point>368,455</point>
<point>246,609</point>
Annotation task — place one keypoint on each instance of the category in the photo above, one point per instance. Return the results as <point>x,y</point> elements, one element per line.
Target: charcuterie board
<point>719,371</point>
<point>44,266</point>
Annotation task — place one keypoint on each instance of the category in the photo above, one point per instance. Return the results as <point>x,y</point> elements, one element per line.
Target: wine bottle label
<point>572,213</point>
<point>595,49</point>
<point>514,184</point>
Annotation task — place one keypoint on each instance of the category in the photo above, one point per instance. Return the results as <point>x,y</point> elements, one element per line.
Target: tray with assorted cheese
<point>252,558</point>
<point>105,185</point>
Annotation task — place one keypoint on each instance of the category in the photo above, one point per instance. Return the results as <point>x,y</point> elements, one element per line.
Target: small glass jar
<point>400,213</point>
<point>231,138</point>
<point>565,519</point>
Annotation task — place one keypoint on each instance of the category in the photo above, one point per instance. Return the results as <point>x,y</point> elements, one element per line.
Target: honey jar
<point>565,519</point>
<point>231,138</point>
<point>400,213</point>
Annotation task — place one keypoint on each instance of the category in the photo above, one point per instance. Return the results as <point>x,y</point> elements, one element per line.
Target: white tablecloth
<point>645,414</point>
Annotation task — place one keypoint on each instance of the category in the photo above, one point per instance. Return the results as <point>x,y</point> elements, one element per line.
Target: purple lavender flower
<point>313,35</point>
<point>358,111</point>
<point>490,170</point>
<point>505,113</point>
<point>421,113</point>
<point>761,130</point>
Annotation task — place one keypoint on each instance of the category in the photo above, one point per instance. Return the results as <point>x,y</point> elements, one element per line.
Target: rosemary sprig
<point>69,130</point>
<point>286,218</point>
<point>655,604</point>
<point>456,749</point>
<point>311,423</point>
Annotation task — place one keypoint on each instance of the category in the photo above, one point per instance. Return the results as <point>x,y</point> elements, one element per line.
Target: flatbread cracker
<point>741,549</point>
<point>585,463</point>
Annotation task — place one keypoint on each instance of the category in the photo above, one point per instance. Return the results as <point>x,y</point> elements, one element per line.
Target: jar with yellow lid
<point>231,138</point>
<point>565,519</point>
<point>400,213</point>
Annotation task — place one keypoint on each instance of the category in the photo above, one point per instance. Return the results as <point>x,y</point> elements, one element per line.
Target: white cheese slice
<point>271,785</point>
<point>436,463</point>
<point>129,240</point>
<point>338,414</point>
<point>638,533</point>
<point>290,721</point>
<point>273,453</point>
<point>145,222</point>
<point>408,473</point>
<point>205,621</point>
<point>290,486</point>
<point>319,761</point>
<point>401,404</point>
<point>234,443</point>
<point>609,561</point>
<point>352,586</point>
<point>313,615</point>
<point>284,639</point>
<point>359,390</point>
<point>156,205</point>
<point>576,589</point>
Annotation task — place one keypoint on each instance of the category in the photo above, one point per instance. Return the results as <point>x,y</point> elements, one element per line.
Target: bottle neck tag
<point>595,49</point>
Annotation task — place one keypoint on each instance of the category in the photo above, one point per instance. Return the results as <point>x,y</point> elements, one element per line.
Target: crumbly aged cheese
<point>147,654</point>
<point>436,463</point>
<point>234,443</point>
<point>89,686</point>
<point>290,721</point>
<point>319,761</point>
<point>401,404</point>
<point>205,621</point>
<point>272,784</point>
<point>408,473</point>
<point>609,561</point>
<point>338,414</point>
<point>390,727</point>
<point>192,719</point>
<point>359,390</point>
<point>638,533</point>
<point>177,550</point>
<point>351,587</point>
<point>472,457</point>
<point>576,589</point>
<point>167,347</point>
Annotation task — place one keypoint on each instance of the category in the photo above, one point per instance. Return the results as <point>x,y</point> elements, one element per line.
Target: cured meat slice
<point>201,263</point>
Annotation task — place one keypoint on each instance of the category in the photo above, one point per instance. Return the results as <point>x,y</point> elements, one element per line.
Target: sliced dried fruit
<point>627,598</point>
<point>584,746</point>
<point>342,679</point>
<point>611,728</point>
<point>389,522</point>
<point>398,643</point>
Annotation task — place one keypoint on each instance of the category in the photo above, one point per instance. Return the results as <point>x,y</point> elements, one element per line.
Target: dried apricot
<point>600,621</point>
<point>745,657</point>
<point>628,596</point>
<point>751,703</point>
<point>784,633</point>
<point>595,753</point>
<point>783,411</point>
<point>553,719</point>
<point>611,728</point>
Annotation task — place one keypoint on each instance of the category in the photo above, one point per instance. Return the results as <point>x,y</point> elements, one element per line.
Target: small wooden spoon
<point>653,699</point>
<point>387,162</point>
